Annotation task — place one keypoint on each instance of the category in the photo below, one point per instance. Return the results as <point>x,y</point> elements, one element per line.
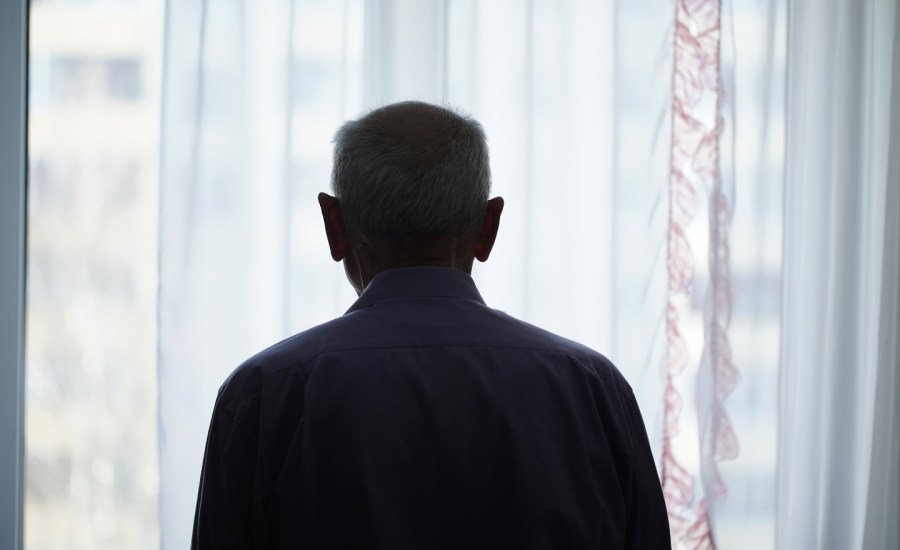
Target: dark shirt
<point>424,419</point>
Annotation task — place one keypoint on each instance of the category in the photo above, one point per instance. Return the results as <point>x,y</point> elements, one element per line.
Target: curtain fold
<point>883,502</point>
<point>221,224</point>
<point>838,395</point>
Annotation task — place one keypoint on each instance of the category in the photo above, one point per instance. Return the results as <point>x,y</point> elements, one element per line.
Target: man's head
<point>411,183</point>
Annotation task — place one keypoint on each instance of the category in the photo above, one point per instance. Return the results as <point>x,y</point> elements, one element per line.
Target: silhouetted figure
<point>421,418</point>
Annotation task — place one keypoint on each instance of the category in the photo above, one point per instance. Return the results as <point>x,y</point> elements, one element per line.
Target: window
<point>251,149</point>
<point>91,322</point>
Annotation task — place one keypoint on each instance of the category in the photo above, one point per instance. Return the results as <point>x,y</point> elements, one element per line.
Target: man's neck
<point>365,262</point>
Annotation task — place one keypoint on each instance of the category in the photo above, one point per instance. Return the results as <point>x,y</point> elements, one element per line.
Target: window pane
<point>91,322</point>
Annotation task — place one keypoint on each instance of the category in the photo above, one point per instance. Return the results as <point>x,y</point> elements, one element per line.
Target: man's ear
<point>488,232</point>
<point>334,226</point>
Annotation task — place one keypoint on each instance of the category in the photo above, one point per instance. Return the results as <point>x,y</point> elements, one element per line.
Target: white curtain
<point>576,97</point>
<point>838,416</point>
<point>253,94</point>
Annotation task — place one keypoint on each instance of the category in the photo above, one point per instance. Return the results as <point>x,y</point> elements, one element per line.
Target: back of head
<point>411,173</point>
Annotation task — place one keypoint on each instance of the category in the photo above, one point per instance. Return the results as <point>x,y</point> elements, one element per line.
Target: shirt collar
<point>418,282</point>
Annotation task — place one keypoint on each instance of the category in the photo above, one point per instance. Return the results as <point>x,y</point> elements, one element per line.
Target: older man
<point>422,418</point>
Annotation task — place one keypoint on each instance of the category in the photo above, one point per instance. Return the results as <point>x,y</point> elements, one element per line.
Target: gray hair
<point>411,172</point>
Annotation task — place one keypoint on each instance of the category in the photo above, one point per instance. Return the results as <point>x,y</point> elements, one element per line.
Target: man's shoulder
<point>289,354</point>
<point>375,328</point>
<point>541,339</point>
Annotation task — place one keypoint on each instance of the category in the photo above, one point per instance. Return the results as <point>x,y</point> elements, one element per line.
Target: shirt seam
<point>413,298</point>
<point>494,346</point>
<point>305,362</point>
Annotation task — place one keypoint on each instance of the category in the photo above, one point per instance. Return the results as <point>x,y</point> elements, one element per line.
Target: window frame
<point>13,192</point>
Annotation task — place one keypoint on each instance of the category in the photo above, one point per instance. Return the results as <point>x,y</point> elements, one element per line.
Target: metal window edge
<point>13,185</point>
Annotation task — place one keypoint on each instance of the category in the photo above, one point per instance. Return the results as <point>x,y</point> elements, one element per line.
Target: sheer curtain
<point>580,101</point>
<point>839,446</point>
<point>253,94</point>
